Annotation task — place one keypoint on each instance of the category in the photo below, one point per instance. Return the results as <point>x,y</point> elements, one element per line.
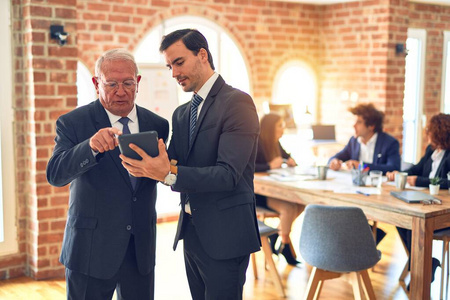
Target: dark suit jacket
<point>217,171</point>
<point>423,168</point>
<point>103,208</point>
<point>386,156</point>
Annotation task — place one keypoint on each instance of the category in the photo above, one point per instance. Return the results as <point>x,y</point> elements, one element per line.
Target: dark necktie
<point>196,100</point>
<point>126,130</point>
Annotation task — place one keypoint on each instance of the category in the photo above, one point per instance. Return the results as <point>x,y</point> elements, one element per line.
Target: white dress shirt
<point>366,150</point>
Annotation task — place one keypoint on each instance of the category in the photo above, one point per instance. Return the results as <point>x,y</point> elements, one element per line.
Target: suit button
<point>128,227</point>
<point>134,199</point>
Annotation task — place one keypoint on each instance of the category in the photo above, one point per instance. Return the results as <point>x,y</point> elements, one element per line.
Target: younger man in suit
<point>214,142</point>
<point>110,236</point>
<point>375,148</point>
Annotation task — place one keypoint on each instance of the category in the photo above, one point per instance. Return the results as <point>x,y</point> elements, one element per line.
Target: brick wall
<point>350,45</point>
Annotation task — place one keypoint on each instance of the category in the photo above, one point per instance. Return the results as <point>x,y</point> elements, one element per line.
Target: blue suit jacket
<point>386,156</point>
<point>103,208</point>
<point>217,170</point>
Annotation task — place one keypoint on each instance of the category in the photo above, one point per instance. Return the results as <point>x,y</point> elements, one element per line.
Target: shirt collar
<point>132,116</point>
<point>371,141</point>
<point>437,154</point>
<point>206,88</point>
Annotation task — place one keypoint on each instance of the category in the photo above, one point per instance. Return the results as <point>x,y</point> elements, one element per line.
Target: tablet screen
<point>147,141</point>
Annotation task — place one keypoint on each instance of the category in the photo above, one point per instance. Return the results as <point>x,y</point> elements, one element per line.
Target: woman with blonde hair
<point>271,155</point>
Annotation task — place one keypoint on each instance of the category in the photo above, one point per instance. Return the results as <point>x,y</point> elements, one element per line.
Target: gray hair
<point>115,54</point>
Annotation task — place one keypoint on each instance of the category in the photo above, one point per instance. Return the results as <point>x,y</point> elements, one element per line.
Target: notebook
<point>411,196</point>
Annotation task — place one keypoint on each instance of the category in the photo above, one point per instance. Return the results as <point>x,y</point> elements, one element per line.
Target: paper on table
<point>360,189</point>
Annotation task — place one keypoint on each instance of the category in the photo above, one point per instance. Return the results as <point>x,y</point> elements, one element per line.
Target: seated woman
<point>435,163</point>
<point>271,155</point>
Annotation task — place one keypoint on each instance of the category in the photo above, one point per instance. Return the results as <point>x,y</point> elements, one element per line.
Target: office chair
<point>264,232</point>
<point>337,241</point>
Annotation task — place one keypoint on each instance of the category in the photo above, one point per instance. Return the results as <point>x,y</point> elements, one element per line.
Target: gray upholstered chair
<point>338,241</point>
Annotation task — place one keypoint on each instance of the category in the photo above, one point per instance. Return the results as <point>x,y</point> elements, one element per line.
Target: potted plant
<point>434,185</point>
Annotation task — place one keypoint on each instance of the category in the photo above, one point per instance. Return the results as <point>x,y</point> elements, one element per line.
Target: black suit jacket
<point>423,168</point>
<point>217,171</point>
<point>103,208</point>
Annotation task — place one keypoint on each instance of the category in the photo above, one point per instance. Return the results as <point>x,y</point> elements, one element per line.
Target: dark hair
<point>439,131</point>
<point>267,136</point>
<point>191,38</point>
<point>371,115</point>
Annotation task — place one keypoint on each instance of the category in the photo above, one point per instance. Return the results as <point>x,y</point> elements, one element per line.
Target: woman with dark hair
<point>435,163</point>
<point>271,155</point>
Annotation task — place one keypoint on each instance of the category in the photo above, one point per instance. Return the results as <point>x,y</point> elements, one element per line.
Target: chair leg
<point>405,269</point>
<point>255,268</point>
<point>368,288</point>
<point>442,268</point>
<point>355,281</point>
<point>272,268</point>
<point>315,282</point>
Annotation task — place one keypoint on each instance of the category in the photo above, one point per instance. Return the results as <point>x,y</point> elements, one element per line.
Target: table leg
<point>421,248</point>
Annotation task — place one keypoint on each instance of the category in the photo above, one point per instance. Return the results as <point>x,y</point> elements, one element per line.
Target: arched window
<point>85,87</point>
<point>227,57</point>
<point>296,84</point>
<point>160,93</point>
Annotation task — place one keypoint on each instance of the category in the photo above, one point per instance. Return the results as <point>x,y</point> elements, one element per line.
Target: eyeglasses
<point>432,201</point>
<point>110,86</point>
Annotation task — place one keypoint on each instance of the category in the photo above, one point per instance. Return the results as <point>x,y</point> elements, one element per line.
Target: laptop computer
<point>411,196</point>
<point>323,132</point>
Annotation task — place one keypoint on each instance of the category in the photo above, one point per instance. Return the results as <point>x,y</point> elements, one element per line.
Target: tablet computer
<point>147,141</point>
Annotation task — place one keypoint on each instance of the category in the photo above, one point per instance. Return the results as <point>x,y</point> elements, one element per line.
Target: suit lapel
<point>377,150</point>
<point>102,121</point>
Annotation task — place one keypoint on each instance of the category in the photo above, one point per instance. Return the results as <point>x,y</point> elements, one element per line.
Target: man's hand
<point>391,175</point>
<point>152,167</point>
<point>105,139</point>
<point>352,164</point>
<point>335,164</point>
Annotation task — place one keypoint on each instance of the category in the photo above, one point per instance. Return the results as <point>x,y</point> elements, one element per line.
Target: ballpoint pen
<point>365,194</point>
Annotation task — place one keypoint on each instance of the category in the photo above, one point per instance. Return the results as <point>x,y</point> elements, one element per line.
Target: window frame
<point>10,244</point>
<point>445,61</point>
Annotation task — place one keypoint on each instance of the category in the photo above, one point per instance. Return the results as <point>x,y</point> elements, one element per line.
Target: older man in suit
<point>214,142</point>
<point>110,235</point>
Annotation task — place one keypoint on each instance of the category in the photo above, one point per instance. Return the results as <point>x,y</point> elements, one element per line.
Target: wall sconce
<point>57,33</point>
<point>400,49</point>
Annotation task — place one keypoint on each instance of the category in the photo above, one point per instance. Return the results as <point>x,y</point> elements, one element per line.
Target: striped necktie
<point>126,130</point>
<point>196,100</point>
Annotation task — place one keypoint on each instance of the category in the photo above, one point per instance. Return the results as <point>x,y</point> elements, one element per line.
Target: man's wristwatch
<point>171,178</point>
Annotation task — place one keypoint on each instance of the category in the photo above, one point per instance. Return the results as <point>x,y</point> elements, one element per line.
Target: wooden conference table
<point>337,190</point>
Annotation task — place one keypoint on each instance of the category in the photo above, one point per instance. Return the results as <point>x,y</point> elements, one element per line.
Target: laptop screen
<point>323,132</point>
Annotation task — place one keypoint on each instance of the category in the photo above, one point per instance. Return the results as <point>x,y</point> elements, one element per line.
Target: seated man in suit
<point>370,145</point>
<point>375,148</point>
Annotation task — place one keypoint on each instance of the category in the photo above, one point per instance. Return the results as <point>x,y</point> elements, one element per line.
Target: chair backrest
<point>337,238</point>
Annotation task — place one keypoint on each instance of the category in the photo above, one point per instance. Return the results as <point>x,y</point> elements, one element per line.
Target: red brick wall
<point>358,41</point>
<point>350,45</point>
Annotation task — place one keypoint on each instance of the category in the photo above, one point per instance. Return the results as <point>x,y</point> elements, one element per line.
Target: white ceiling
<point>325,2</point>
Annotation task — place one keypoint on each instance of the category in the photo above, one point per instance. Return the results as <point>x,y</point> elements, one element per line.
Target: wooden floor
<point>171,283</point>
